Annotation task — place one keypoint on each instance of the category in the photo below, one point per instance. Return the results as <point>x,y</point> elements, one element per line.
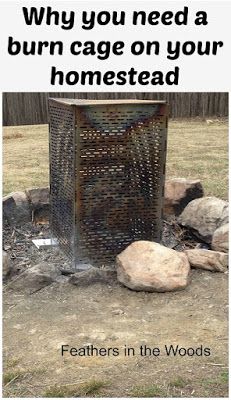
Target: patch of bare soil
<point>108,315</point>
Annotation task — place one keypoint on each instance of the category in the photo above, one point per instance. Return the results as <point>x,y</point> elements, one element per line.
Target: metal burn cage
<point>107,169</point>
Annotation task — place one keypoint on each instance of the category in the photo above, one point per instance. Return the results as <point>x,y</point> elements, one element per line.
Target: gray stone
<point>151,267</point>
<point>178,193</point>
<point>208,260</point>
<point>38,196</point>
<point>16,208</point>
<point>204,216</point>
<point>35,278</point>
<point>92,275</point>
<point>220,240</point>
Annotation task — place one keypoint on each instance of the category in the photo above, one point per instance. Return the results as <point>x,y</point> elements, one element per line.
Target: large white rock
<point>208,259</point>
<point>204,216</point>
<point>151,267</point>
<point>178,193</point>
<point>220,241</point>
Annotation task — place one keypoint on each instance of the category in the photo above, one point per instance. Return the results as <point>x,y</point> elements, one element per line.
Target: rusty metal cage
<point>107,169</point>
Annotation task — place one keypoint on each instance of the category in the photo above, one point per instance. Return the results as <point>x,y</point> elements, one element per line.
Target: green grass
<point>11,376</point>
<point>148,391</point>
<point>178,382</point>
<point>220,380</point>
<point>90,389</point>
<point>196,150</point>
<point>224,376</point>
<point>180,386</point>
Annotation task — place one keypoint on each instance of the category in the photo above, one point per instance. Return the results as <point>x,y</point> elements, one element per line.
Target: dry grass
<point>200,150</point>
<point>196,149</point>
<point>25,157</point>
<point>87,389</point>
<point>181,386</point>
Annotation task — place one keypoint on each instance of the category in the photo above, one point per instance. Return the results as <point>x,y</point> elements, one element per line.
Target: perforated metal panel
<point>110,174</point>
<point>62,176</point>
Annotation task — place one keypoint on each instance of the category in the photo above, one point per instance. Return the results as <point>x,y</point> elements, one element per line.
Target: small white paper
<point>45,243</point>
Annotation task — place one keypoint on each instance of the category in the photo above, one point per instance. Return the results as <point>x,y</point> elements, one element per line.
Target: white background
<point>197,73</point>
<point>32,73</point>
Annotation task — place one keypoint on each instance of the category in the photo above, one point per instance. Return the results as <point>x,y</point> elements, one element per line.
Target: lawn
<point>196,149</point>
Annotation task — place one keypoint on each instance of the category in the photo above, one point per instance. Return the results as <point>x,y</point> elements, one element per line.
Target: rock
<point>178,193</point>
<point>220,240</point>
<point>16,208</point>
<point>5,264</point>
<point>204,216</point>
<point>39,199</point>
<point>208,259</point>
<point>38,196</point>
<point>151,267</point>
<point>35,278</point>
<point>91,276</point>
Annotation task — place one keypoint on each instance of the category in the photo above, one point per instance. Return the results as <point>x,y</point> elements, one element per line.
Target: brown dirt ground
<point>109,315</point>
<point>35,326</point>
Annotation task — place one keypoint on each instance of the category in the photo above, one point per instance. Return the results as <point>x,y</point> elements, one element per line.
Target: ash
<point>179,238</point>
<point>17,241</point>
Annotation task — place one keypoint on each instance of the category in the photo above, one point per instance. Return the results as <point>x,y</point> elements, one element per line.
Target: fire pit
<point>107,167</point>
